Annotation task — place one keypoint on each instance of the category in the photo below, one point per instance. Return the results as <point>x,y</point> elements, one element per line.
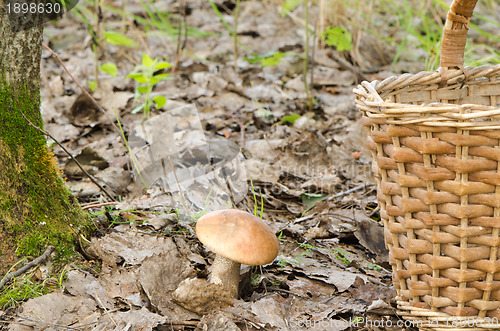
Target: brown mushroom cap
<point>238,236</point>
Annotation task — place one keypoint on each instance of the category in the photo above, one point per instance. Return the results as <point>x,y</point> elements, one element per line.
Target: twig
<point>48,323</point>
<point>84,90</point>
<point>28,266</point>
<point>106,310</point>
<point>65,150</point>
<point>346,65</point>
<point>97,205</point>
<point>179,186</point>
<point>354,189</point>
<point>298,220</point>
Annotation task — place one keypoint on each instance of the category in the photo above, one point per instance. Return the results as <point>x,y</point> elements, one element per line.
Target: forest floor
<point>241,133</point>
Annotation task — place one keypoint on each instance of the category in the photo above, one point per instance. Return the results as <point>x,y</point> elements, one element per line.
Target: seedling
<point>255,206</point>
<point>280,237</point>
<point>145,74</point>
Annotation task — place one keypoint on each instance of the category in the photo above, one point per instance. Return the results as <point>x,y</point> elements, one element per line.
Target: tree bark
<point>36,209</point>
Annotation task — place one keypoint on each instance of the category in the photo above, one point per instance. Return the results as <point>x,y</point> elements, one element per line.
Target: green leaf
<point>109,68</point>
<point>272,60</point>
<point>160,101</point>
<point>159,78</point>
<point>137,109</point>
<point>92,85</point>
<point>290,118</point>
<point>162,65</point>
<point>310,199</point>
<point>288,6</point>
<point>142,89</point>
<point>256,58</point>
<point>116,38</point>
<point>147,61</point>
<point>138,78</point>
<point>338,37</point>
<point>162,76</point>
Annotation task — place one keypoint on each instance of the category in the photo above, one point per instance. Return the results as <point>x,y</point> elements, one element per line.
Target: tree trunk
<point>36,209</point>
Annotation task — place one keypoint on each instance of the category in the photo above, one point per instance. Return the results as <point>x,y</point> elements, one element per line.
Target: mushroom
<point>235,237</point>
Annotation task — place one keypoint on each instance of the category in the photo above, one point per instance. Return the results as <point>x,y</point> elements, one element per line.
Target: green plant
<point>268,59</point>
<point>24,287</point>
<point>282,262</point>
<point>341,255</point>
<point>280,237</point>
<point>308,247</point>
<point>255,279</point>
<point>338,37</point>
<point>255,206</point>
<point>145,74</point>
<point>156,20</point>
<point>373,267</point>
<point>288,6</point>
<point>309,200</point>
<point>290,118</point>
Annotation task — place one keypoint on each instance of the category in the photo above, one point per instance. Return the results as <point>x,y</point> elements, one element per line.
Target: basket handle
<point>455,33</point>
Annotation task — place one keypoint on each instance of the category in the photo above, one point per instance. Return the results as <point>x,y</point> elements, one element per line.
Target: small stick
<point>354,189</point>
<point>106,310</point>
<point>97,205</point>
<point>28,266</point>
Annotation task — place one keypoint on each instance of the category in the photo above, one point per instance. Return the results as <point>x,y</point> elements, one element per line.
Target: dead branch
<point>354,189</point>
<point>28,266</point>
<point>99,205</point>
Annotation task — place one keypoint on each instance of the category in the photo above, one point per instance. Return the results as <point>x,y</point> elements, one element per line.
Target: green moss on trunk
<point>36,209</point>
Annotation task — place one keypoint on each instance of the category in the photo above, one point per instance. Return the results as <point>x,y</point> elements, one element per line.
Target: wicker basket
<point>435,141</point>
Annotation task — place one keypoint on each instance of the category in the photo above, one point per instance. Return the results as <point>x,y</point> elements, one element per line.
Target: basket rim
<point>369,98</point>
<point>423,78</point>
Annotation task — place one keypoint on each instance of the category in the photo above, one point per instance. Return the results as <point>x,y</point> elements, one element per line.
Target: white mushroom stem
<point>226,273</point>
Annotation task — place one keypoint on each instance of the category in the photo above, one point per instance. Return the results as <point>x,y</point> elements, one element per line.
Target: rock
<point>201,296</point>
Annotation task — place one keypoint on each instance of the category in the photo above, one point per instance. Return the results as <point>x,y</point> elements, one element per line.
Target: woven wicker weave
<point>435,141</point>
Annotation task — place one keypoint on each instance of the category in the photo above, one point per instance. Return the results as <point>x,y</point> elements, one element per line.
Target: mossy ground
<point>36,209</point>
